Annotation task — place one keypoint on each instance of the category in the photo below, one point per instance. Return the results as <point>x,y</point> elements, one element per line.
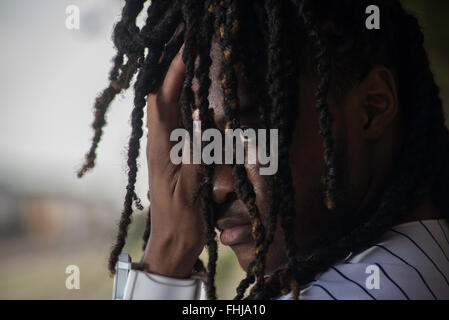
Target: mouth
<point>234,232</point>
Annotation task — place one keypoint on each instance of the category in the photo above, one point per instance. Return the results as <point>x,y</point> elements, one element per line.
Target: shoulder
<point>409,262</point>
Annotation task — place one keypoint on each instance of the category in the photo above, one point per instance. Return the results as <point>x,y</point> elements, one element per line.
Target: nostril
<point>230,197</point>
<point>221,207</point>
<point>223,194</point>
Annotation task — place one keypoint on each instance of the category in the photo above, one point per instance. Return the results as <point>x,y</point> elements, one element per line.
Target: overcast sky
<point>49,79</point>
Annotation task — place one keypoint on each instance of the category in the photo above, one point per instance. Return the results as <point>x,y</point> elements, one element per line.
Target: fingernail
<point>182,49</point>
<point>196,115</point>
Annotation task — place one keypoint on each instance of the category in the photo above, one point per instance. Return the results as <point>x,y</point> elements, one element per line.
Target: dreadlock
<point>333,37</point>
<point>414,171</point>
<point>202,74</point>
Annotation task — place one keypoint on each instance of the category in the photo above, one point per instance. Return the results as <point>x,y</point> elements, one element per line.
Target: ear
<point>380,101</point>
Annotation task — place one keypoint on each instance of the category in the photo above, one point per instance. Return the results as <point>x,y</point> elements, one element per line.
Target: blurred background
<point>49,78</point>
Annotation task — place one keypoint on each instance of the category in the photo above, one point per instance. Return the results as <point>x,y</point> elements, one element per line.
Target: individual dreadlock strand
<point>125,31</point>
<point>282,117</point>
<point>137,202</point>
<point>246,282</point>
<point>247,66</point>
<point>211,242</point>
<point>322,62</point>
<point>271,219</point>
<point>272,12</point>
<point>158,36</point>
<point>205,62</point>
<point>202,74</point>
<point>271,223</point>
<point>129,13</point>
<point>159,14</point>
<point>127,36</point>
<point>271,288</point>
<point>117,65</point>
<point>124,34</point>
<point>244,187</point>
<point>228,28</point>
<point>131,10</point>
<point>133,153</point>
<point>141,89</point>
<point>220,25</point>
<point>171,49</point>
<point>247,195</point>
<point>190,10</point>
<point>101,106</point>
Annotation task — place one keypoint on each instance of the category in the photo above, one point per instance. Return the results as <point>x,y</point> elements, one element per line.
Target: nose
<point>223,184</point>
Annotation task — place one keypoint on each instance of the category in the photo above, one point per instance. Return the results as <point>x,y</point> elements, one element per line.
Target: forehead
<point>215,92</point>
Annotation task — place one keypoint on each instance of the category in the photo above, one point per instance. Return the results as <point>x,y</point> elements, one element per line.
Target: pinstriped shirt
<point>410,262</point>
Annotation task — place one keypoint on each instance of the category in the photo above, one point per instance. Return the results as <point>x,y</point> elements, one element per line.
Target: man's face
<point>307,166</point>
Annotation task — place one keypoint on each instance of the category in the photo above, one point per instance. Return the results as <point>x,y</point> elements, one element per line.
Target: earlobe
<point>380,102</point>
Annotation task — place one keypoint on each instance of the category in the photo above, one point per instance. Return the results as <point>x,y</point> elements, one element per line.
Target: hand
<point>177,229</point>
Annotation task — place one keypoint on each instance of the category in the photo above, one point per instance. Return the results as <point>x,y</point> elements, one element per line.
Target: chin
<point>245,255</point>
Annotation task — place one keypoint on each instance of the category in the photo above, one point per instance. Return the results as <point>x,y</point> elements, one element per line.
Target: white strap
<point>122,268</point>
<point>147,286</point>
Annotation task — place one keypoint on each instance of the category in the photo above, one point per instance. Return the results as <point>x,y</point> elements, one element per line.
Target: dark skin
<point>367,129</point>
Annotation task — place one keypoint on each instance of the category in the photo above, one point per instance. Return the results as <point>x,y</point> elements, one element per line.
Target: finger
<point>163,115</point>
<point>163,106</point>
<point>172,85</point>
<point>163,118</point>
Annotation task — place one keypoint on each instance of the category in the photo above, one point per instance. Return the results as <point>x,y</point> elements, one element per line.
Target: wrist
<point>164,263</point>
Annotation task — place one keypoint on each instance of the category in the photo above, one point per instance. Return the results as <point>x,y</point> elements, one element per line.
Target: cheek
<point>306,152</point>
<point>306,156</point>
<point>260,188</point>
<point>277,255</point>
<point>353,158</point>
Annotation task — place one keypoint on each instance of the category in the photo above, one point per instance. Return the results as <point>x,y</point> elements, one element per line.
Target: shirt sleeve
<point>142,285</point>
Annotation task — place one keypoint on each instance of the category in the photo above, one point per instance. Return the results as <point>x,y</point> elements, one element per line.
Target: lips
<point>234,232</point>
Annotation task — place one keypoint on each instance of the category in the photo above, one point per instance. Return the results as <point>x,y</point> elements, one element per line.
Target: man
<point>356,208</point>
